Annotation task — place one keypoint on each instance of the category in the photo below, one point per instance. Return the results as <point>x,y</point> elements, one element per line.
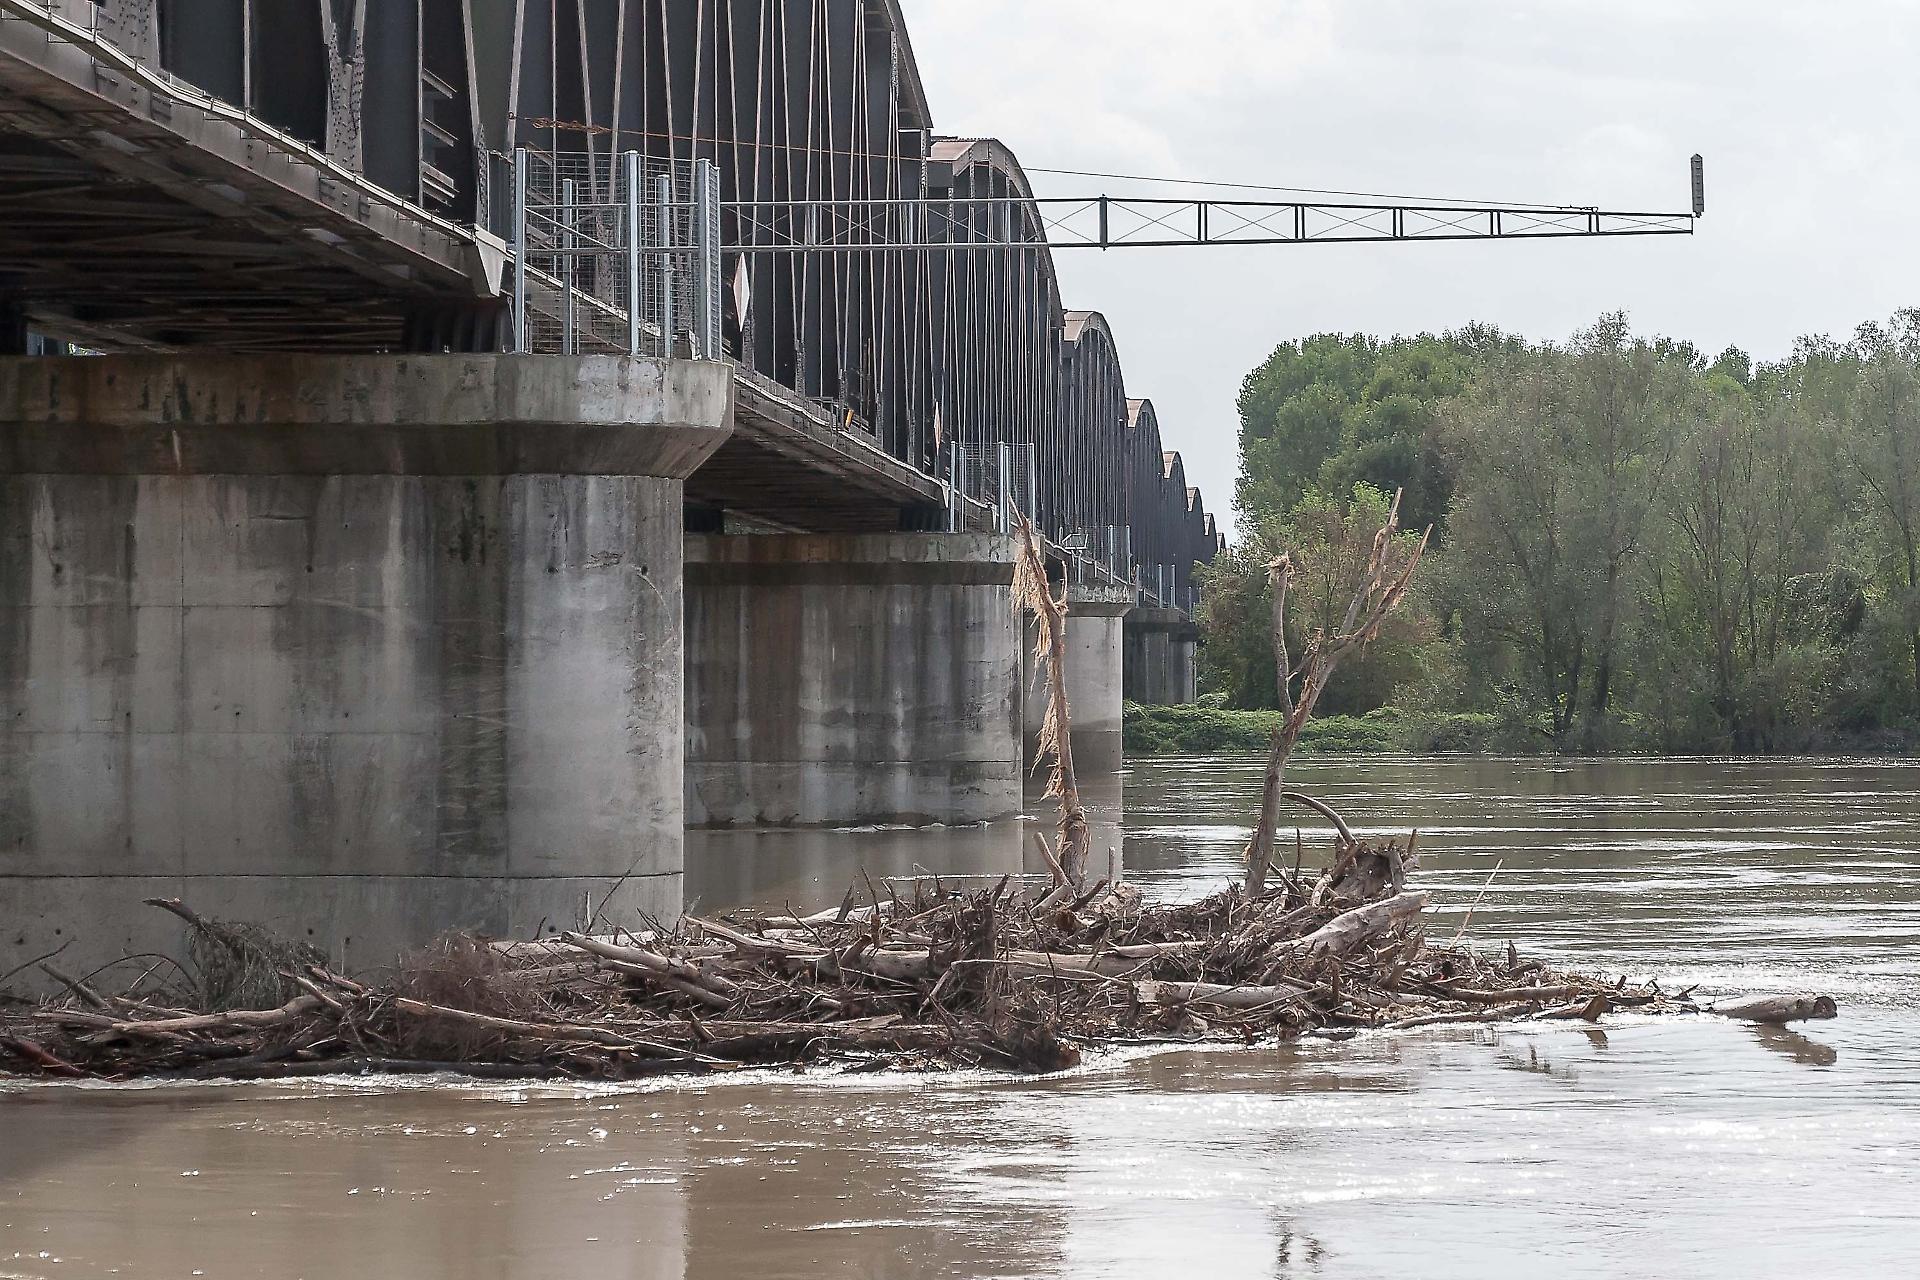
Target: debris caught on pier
<point>999,977</point>
<point>1023,975</point>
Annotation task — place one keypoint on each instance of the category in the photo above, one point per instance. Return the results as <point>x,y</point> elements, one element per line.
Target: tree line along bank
<point>1636,547</point>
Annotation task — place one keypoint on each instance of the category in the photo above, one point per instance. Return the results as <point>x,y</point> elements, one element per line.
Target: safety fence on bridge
<point>615,253</point>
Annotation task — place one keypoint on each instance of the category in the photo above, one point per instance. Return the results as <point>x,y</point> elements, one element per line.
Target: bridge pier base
<point>1095,671</point>
<point>1161,646</point>
<point>851,679</point>
<point>362,648</point>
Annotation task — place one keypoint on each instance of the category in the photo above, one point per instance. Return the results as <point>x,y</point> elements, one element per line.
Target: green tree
<point>1517,581</point>
<point>1560,457</point>
<point>1736,616</point>
<point>1880,444</point>
<point>1639,544</point>
<point>1336,410</point>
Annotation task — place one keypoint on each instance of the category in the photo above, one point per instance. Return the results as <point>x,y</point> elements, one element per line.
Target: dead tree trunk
<point>1030,591</point>
<point>1382,586</point>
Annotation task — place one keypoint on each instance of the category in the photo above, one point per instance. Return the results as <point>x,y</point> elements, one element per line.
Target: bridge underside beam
<point>134,221</point>
<point>789,465</point>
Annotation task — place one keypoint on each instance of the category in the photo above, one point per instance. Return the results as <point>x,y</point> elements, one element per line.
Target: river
<point>1663,1148</point>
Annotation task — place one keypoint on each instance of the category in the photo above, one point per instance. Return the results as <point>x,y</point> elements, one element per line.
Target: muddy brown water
<point>1678,1148</point>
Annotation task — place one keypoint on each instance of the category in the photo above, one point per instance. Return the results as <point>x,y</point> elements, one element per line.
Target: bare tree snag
<point>1382,587</point>
<point>1030,591</point>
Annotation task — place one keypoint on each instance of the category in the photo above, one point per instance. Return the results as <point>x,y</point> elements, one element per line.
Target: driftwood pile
<point>993,977</point>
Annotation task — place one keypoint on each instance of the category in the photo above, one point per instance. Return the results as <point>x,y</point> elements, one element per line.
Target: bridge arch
<point>1086,449</point>
<point>997,315</point>
<point>810,102</point>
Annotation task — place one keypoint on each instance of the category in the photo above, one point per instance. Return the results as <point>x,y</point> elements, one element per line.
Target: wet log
<point>173,1028</point>
<point>1217,994</point>
<point>1589,1010</point>
<point>1504,995</point>
<point>1351,928</point>
<point>536,1032</point>
<point>694,1030</point>
<point>1505,1013</point>
<point>749,1040</point>
<point>677,975</point>
<point>32,1052</point>
<point>1780,1009</point>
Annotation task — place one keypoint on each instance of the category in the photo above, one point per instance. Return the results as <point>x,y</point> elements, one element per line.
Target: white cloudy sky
<point>1806,113</point>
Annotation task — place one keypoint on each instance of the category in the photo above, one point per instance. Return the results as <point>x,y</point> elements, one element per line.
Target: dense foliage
<point>1637,547</point>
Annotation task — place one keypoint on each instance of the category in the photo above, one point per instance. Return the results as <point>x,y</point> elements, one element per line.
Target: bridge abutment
<point>362,648</point>
<point>851,679</point>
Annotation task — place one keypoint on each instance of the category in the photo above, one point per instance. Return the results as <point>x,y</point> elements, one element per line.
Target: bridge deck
<point>790,465</point>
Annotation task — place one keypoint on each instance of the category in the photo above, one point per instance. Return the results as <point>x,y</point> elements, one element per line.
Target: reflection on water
<point>811,869</point>
<point>1659,1148</point>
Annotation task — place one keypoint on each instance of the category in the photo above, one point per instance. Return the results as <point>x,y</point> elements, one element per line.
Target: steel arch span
<point>821,101</point>
<point>400,111</point>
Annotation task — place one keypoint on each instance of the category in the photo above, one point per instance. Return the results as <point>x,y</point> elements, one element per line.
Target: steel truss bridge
<point>250,175</point>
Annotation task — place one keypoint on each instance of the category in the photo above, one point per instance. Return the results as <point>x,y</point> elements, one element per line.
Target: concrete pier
<point>1095,674</point>
<point>851,679</point>
<point>362,648</point>
<point>1160,647</point>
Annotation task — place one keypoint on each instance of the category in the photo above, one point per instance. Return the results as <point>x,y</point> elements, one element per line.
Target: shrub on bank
<point>1206,727</point>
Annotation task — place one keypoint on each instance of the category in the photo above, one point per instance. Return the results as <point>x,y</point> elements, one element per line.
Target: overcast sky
<point>1808,115</point>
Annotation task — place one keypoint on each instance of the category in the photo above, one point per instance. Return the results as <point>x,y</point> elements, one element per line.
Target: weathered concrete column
<point>1160,646</point>
<point>844,680</point>
<point>1096,699</point>
<point>359,647</point>
<point>1095,672</point>
<point>1183,649</point>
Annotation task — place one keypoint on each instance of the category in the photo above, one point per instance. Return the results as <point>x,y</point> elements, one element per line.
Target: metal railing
<point>996,474</point>
<point>1160,587</point>
<point>1099,554</point>
<point>615,254</point>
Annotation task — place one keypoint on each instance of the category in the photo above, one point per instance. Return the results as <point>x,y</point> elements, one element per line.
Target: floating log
<point>1780,1009</point>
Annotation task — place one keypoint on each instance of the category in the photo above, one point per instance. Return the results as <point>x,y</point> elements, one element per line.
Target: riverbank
<point>1207,728</point>
<point>1202,728</point>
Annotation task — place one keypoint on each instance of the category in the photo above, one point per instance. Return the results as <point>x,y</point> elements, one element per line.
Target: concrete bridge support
<point>1095,672</point>
<point>851,679</point>
<point>362,648</point>
<point>1160,645</point>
